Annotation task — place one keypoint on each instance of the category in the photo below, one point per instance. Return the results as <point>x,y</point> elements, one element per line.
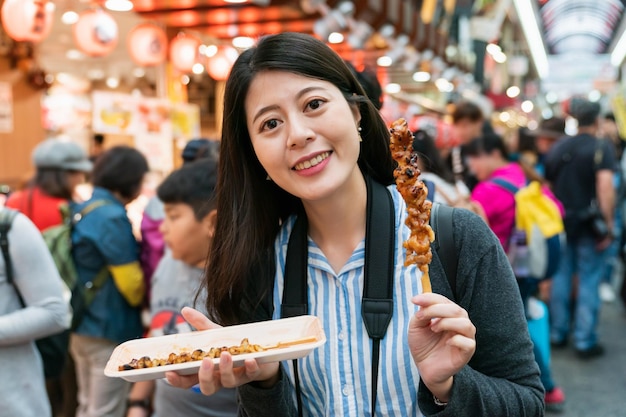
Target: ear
<point>209,222</point>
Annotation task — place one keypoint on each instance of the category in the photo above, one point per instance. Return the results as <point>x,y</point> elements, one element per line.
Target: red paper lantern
<point>184,52</point>
<point>147,45</point>
<point>27,20</point>
<point>95,33</point>
<point>221,63</point>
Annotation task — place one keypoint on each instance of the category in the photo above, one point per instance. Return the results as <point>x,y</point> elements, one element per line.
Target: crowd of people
<point>304,146</point>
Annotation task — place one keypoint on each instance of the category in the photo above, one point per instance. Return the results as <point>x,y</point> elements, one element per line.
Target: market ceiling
<point>225,20</point>
<point>575,26</point>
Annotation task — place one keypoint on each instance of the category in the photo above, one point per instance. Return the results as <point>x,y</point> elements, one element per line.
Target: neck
<point>120,198</point>
<point>590,130</point>
<point>337,224</point>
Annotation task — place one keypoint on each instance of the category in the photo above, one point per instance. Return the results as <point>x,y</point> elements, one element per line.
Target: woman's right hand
<point>210,378</point>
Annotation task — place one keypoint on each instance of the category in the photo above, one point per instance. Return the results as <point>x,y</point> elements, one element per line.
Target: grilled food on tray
<point>212,353</point>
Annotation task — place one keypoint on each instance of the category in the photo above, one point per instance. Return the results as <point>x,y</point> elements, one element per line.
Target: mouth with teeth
<point>316,160</point>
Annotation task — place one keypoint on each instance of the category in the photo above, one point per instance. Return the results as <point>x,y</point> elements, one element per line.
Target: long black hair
<point>250,208</point>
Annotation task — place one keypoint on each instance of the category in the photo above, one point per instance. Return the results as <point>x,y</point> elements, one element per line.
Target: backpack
<point>59,241</point>
<point>537,240</point>
<point>53,349</point>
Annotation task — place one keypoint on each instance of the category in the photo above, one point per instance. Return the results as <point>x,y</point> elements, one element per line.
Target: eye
<point>315,104</point>
<point>270,124</point>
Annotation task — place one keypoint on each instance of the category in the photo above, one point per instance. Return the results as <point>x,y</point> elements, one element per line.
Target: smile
<point>312,162</point>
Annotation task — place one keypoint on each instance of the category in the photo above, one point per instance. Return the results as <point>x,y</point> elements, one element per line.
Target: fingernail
<point>196,388</point>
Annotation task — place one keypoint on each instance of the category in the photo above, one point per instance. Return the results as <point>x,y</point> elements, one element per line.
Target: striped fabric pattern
<point>336,378</point>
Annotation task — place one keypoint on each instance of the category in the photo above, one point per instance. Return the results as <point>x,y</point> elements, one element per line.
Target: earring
<point>359,129</point>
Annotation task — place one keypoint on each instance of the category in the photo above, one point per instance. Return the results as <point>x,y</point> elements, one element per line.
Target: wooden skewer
<point>301,341</point>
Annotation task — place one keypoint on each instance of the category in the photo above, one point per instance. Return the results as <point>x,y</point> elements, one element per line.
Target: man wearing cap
<point>580,170</point>
<point>60,167</point>
<point>543,139</point>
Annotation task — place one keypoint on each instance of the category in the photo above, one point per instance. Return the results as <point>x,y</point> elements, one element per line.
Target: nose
<point>162,227</point>
<point>300,133</point>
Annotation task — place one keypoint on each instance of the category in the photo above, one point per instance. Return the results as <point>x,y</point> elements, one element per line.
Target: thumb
<point>198,320</point>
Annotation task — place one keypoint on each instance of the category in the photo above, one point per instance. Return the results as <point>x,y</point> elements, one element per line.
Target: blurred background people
<point>534,145</point>
<point>446,189</point>
<point>104,240</point>
<point>581,171</point>
<point>188,228</point>
<point>31,307</point>
<point>488,160</point>
<point>60,167</point>
<point>152,244</point>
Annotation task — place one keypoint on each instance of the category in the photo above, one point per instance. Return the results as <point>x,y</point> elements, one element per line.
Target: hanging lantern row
<point>96,35</point>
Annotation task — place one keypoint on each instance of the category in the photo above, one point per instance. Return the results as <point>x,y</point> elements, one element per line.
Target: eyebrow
<point>275,106</point>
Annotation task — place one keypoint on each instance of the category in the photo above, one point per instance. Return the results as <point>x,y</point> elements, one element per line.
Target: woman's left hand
<point>442,340</point>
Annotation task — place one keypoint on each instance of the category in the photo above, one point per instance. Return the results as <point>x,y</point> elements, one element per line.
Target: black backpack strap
<point>295,301</point>
<point>377,303</point>
<point>441,222</point>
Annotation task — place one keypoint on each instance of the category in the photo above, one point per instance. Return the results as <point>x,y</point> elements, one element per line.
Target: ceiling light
<point>494,49</point>
<point>360,32</point>
<point>546,114</point>
<point>527,106</point>
<point>335,37</point>
<point>444,85</point>
<point>69,18</point>
<point>334,21</point>
<point>95,74</point>
<point>499,58</point>
<point>393,88</point>
<point>113,82</point>
<point>197,68</point>
<point>139,72</point>
<point>74,54</point>
<point>526,13</point>
<point>208,50</point>
<point>184,80</point>
<point>384,61</point>
<point>421,77</point>
<point>619,51</point>
<point>119,5</point>
<point>552,97</point>
<point>243,42</point>
<point>594,95</point>
<point>513,91</point>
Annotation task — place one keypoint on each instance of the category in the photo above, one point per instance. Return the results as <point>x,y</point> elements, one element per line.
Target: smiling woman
<point>295,113</point>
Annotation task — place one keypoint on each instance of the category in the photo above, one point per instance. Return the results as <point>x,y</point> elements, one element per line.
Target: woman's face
<point>303,132</point>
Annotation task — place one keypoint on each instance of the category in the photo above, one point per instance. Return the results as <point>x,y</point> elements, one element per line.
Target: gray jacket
<point>502,378</point>
<point>22,386</point>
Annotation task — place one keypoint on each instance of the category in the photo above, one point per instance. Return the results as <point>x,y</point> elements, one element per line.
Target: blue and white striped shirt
<point>335,379</point>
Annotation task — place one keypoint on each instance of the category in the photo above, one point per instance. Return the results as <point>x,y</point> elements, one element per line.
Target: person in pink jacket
<point>488,159</point>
